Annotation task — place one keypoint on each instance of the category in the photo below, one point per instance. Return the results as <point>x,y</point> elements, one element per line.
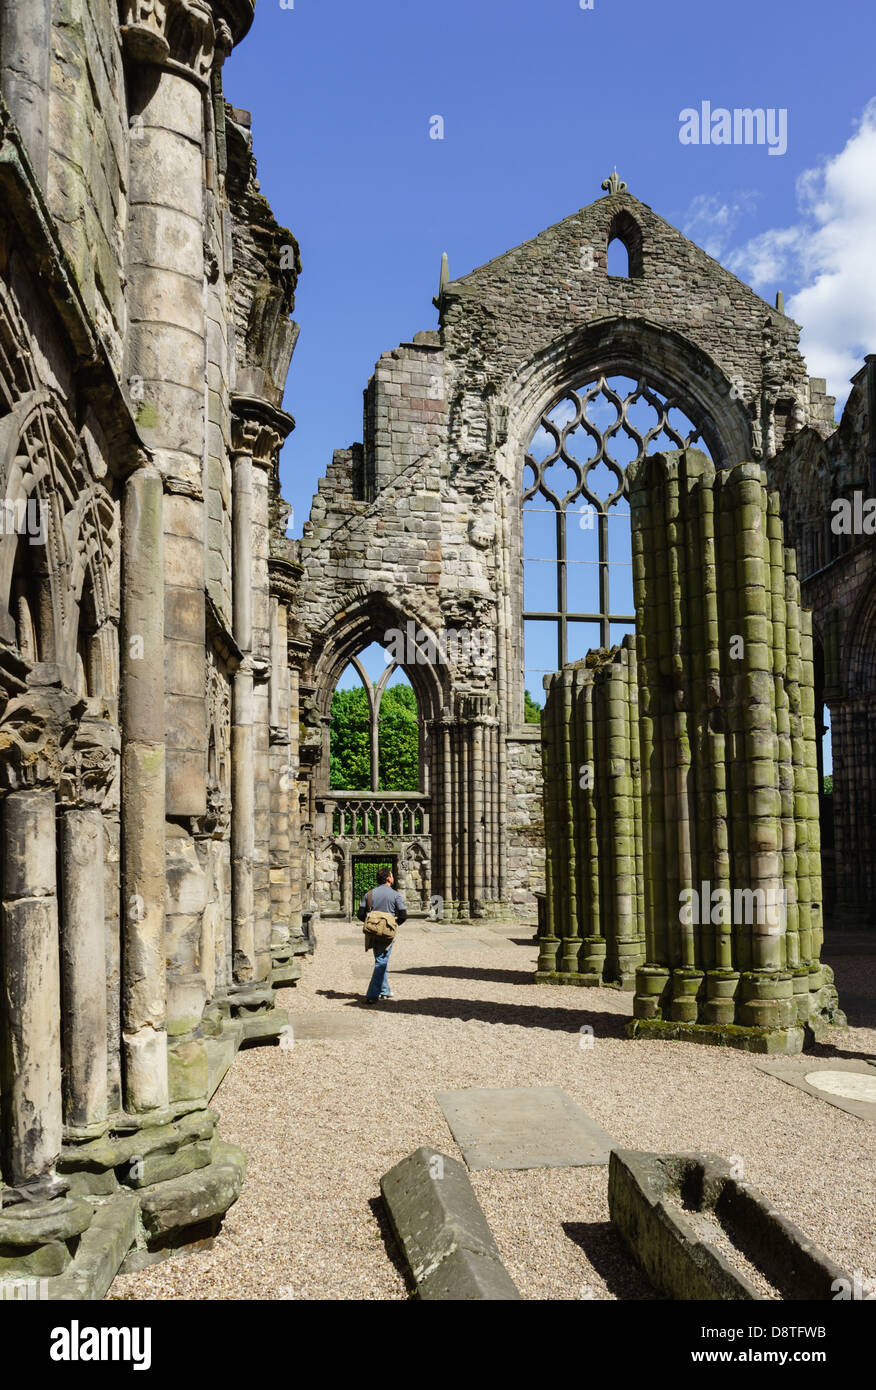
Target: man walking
<point>384,898</point>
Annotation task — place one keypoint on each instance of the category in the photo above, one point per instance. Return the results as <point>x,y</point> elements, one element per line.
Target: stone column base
<point>768,1040</point>
<point>149,1188</point>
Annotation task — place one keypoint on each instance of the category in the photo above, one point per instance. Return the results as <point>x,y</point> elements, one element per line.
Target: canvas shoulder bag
<point>379,924</point>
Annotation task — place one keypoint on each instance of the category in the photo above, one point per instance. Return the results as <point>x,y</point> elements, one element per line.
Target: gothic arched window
<point>577,561</point>
<point>375,734</point>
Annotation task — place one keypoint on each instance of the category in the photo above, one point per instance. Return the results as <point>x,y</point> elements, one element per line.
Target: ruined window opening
<point>617,259</point>
<point>624,236</point>
<point>376,736</point>
<point>577,560</point>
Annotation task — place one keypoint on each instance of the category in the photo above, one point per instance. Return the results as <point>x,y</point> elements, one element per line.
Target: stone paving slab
<point>846,1083</point>
<point>523,1127</point>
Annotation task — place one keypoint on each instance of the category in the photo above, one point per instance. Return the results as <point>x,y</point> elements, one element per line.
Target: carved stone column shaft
<point>83,966</point>
<point>31,1055</point>
<point>143,865</point>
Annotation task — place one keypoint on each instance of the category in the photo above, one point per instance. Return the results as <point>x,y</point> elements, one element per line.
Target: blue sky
<point>540,99</point>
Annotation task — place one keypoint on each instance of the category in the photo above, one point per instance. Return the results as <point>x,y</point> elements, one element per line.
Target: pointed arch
<point>625,229</point>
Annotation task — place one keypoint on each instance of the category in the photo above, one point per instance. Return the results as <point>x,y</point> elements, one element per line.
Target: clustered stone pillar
<point>31,1053</point>
<point>259,687</point>
<point>593,822</point>
<point>261,703</point>
<point>285,934</point>
<point>732,870</point>
<point>171,50</point>
<point>296,854</point>
<point>468,831</point>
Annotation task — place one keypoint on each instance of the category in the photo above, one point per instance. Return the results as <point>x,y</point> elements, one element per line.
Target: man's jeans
<point>378,988</point>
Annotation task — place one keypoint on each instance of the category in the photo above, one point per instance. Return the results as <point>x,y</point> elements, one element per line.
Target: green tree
<point>531,711</point>
<point>399,740</point>
<point>350,744</point>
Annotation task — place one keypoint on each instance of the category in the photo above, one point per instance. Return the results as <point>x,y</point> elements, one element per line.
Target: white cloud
<point>828,258</point>
<point>711,223</point>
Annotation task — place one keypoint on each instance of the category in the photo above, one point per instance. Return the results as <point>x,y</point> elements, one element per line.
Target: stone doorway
<point>365,867</point>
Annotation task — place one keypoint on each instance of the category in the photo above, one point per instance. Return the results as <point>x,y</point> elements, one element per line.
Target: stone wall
<point>837,564</point>
<point>149,720</point>
<point>422,520</point>
<point>89,135</point>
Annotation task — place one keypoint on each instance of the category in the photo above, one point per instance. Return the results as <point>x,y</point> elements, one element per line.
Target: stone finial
<point>780,301</point>
<point>613,184</point>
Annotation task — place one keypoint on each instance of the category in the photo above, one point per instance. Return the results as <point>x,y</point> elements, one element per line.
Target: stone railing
<point>389,814</point>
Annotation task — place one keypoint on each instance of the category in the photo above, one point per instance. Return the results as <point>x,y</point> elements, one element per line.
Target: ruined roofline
<point>464,285</point>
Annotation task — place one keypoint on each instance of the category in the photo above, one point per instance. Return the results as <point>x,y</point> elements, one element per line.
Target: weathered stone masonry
<point>422,521</point>
<point>148,735</point>
<point>168,658</point>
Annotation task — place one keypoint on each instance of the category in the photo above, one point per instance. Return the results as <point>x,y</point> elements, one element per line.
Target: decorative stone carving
<point>218,818</point>
<point>258,429</point>
<point>90,772</point>
<point>182,31</point>
<point>35,731</point>
<point>613,184</point>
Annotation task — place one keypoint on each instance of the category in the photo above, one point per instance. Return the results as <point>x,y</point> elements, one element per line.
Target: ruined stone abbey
<point>169,834</point>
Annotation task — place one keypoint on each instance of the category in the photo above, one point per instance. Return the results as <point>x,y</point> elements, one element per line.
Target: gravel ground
<point>321,1122</point>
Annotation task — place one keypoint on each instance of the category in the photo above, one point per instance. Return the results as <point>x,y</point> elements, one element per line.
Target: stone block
<point>466,1277</point>
<point>184,668</point>
<point>437,1219</point>
<point>210,1191</point>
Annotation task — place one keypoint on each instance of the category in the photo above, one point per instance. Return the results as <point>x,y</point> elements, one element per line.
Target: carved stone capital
<point>258,429</point>
<point>284,577</point>
<point>255,438</point>
<point>90,770</point>
<point>168,32</point>
<point>35,732</point>
<point>475,707</point>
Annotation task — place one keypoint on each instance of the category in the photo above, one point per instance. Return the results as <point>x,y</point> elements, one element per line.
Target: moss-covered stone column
<point>730,832</point>
<point>593,822</point>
